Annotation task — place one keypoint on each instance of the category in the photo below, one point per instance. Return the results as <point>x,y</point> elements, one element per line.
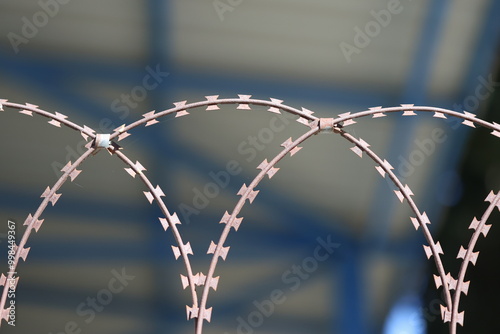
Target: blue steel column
<point>158,19</point>
<point>383,207</point>
<point>488,44</point>
<point>351,293</point>
<point>415,92</point>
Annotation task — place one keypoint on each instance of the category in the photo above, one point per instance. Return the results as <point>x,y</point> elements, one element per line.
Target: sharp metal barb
<point>465,287</point>
<point>26,112</point>
<point>496,133</point>
<point>377,114</point>
<point>439,115</point>
<point>462,252</point>
<point>445,314</point>
<point>180,104</point>
<point>272,170</point>
<point>185,281</point>
<point>200,279</point>
<point>358,149</point>
<point>214,282</point>
<point>123,135</point>
<point>467,122</point>
<point>223,250</point>
<point>244,106</point>
<point>36,224</point>
<point>187,249</point>
<point>174,220</point>
<point>192,312</point>
<point>5,314</point>
<point>211,99</point>
<point>409,111</point>
<point>149,196</point>
<point>348,121</point>
<point>236,222</point>
<point>149,116</point>
<point>273,109</point>
<point>306,111</point>
<point>53,197</point>
<point>415,222</point>
<point>303,120</point>
<point>181,113</point>
<point>24,253</point>
<point>207,314</point>
<point>120,128</point>
<point>436,247</point>
<point>484,229</point>
<point>248,193</point>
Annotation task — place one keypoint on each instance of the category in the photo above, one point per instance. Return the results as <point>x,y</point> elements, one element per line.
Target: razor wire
<point>198,311</point>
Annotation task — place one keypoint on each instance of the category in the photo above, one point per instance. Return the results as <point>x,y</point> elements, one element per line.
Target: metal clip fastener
<point>102,140</point>
<point>326,125</point>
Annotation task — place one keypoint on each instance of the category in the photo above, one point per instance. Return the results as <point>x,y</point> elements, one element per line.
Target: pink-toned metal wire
<point>198,311</point>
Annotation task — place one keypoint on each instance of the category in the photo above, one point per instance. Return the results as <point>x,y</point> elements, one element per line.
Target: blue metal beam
<point>480,65</point>
<point>383,206</point>
<point>384,203</point>
<point>27,65</point>
<point>159,35</point>
<point>351,293</point>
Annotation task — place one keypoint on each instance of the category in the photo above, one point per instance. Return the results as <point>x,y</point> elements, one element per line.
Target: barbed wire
<point>198,311</point>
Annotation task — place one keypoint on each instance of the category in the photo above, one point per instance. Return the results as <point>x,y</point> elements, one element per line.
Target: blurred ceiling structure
<point>107,63</point>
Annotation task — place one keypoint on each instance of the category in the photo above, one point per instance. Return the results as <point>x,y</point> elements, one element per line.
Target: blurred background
<point>105,63</point>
